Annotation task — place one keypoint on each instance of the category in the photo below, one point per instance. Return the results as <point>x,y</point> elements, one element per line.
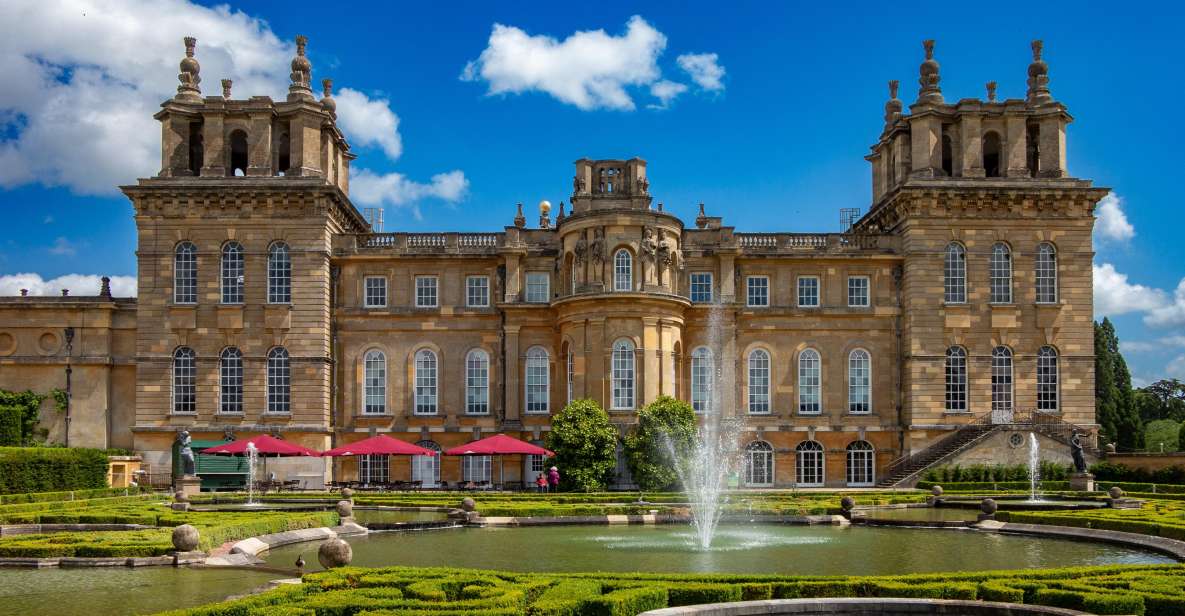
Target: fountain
<point>1034,467</point>
<point>252,458</point>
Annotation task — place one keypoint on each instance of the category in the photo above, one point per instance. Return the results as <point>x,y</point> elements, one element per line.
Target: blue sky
<point>775,142</point>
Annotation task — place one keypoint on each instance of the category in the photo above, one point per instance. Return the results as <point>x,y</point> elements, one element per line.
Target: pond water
<point>817,550</point>
<point>366,516</point>
<point>921,514</point>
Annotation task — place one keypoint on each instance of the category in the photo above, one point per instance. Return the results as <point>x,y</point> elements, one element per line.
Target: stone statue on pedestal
<point>1076,453</point>
<point>188,465</point>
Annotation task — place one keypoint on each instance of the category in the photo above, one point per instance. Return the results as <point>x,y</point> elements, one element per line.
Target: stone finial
<point>186,538</point>
<point>105,286</point>
<point>327,102</point>
<point>65,292</point>
<point>559,217</point>
<point>302,73</point>
<point>1038,93</point>
<point>24,293</point>
<point>991,91</point>
<point>928,80</point>
<point>520,220</point>
<point>189,76</point>
<point>226,84</point>
<point>893,106</point>
<point>660,206</point>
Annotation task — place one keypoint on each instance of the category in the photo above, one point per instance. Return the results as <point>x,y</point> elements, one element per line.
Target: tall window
<point>956,380</point>
<point>757,291</point>
<point>475,469</point>
<point>538,287</point>
<point>279,274</point>
<point>703,377</point>
<point>623,374</point>
<point>538,380</point>
<point>1046,274</point>
<point>426,469</point>
<point>701,287</point>
<point>954,274</point>
<point>808,291</point>
<point>623,271</point>
<point>374,468</point>
<point>1001,274</point>
<point>859,382</point>
<point>1002,384</point>
<point>808,459</point>
<point>809,383</point>
<point>477,382</point>
<point>861,457</point>
<point>477,291</point>
<point>570,362</point>
<point>759,382</point>
<point>858,291</point>
<point>425,379</point>
<point>279,381</point>
<point>426,292</point>
<point>374,385</point>
<point>232,273</point>
<point>759,464</point>
<point>185,274</point>
<point>184,381</point>
<point>1047,379</point>
<point>376,292</point>
<point>230,381</point>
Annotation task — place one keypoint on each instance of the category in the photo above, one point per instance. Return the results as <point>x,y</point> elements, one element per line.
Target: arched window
<point>956,380</point>
<point>1047,379</point>
<point>279,381</point>
<point>810,383</point>
<point>238,153</point>
<point>859,382</point>
<point>232,273</point>
<point>184,381</point>
<point>861,457</point>
<point>185,274</point>
<point>954,274</point>
<point>230,381</point>
<point>477,382</point>
<point>623,374</point>
<point>808,458</point>
<point>570,363</point>
<point>1001,274</point>
<point>426,469</point>
<point>538,381</point>
<point>703,380</point>
<point>425,380</point>
<point>759,464</point>
<point>1002,384</point>
<point>991,154</point>
<point>374,383</point>
<point>1046,274</point>
<point>279,274</point>
<point>759,382</point>
<point>623,271</point>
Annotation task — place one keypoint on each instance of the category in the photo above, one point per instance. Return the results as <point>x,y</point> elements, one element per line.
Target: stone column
<point>926,138</point>
<point>511,374</point>
<point>650,379</point>
<point>727,276</point>
<point>594,362</point>
<point>1052,147</point>
<point>259,145</point>
<point>214,142</point>
<point>513,279</point>
<point>1014,158</point>
<point>972,136</point>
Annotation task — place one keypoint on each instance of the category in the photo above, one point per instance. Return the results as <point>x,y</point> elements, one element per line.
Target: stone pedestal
<point>1082,482</point>
<point>191,485</point>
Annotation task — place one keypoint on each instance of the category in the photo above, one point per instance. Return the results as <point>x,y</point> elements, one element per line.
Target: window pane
<point>956,380</point>
<point>955,274</point>
<point>701,287</point>
<point>376,292</point>
<point>537,380</point>
<point>477,291</point>
<point>623,271</point>
<point>859,382</point>
<point>426,469</point>
<point>1002,385</point>
<point>538,290</point>
<point>808,292</point>
<point>857,291</point>
<point>809,377</point>
<point>279,274</point>
<point>860,464</point>
<point>623,375</point>
<point>1047,379</point>
<point>184,381</point>
<point>279,381</point>
<point>759,382</point>
<point>425,394</point>
<point>426,291</point>
<point>1046,274</point>
<point>1001,274</point>
<point>185,274</point>
<point>231,381</point>
<point>477,383</point>
<point>758,290</point>
<point>232,273</point>
<point>703,376</point>
<point>809,464</point>
<point>375,383</point>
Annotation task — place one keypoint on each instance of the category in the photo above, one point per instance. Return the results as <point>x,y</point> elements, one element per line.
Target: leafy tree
<point>585,445</point>
<point>1162,431</point>
<point>1181,438</point>
<point>1164,399</point>
<point>1115,404</point>
<point>666,426</point>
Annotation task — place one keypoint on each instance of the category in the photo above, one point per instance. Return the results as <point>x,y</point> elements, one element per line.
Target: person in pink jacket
<point>553,479</point>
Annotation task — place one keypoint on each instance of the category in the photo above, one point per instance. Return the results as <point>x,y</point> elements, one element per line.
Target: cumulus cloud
<point>79,284</point>
<point>1114,295</point>
<point>665,91</point>
<point>394,189</point>
<point>1111,223</point>
<point>1176,368</point>
<point>369,122</point>
<point>704,69</point>
<point>1172,312</point>
<point>63,247</point>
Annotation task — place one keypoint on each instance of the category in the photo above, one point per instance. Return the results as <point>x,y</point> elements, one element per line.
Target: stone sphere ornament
<point>347,493</point>
<point>345,508</point>
<point>1116,492</point>
<point>335,553</point>
<point>185,538</point>
<point>936,490</point>
<point>468,504</point>
<point>988,506</point>
<point>847,503</point>
<point>180,497</point>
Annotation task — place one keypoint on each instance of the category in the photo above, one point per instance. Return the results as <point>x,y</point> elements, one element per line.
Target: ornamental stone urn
<point>185,538</point>
<point>335,553</point>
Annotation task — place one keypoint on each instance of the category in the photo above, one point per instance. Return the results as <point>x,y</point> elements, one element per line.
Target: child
<point>541,482</point>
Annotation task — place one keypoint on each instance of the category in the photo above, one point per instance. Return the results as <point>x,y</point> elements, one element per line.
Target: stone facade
<point>832,347</point>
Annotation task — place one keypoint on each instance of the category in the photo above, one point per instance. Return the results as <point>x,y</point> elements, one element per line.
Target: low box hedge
<point>48,469</point>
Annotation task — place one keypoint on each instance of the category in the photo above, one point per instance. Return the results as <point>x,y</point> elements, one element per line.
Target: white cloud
<point>369,122</point>
<point>666,92</point>
<point>589,69</point>
<point>79,284</point>
<point>1114,295</point>
<point>1111,223</point>
<point>1176,368</point>
<point>63,247</point>
<point>1172,312</point>
<point>704,69</point>
<point>394,189</point>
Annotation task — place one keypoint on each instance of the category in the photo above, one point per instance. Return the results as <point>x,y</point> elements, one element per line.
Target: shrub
<point>1161,435</point>
<point>585,446</point>
<point>43,469</point>
<point>10,426</point>
<point>665,426</point>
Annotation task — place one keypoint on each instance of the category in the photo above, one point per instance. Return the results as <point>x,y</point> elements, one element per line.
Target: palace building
<point>952,316</point>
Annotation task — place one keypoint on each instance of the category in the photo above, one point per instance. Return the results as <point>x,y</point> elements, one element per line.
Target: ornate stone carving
<point>649,245</point>
<point>929,78</point>
<point>226,84</point>
<point>302,73</point>
<point>189,76</point>
<point>581,248</point>
<point>597,247</point>
<point>1038,93</point>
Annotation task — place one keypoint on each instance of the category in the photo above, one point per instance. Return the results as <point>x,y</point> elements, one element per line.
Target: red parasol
<point>265,445</point>
<point>379,445</point>
<point>497,445</point>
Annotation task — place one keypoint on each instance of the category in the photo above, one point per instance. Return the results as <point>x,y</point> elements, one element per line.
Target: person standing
<point>553,479</point>
<point>541,482</point>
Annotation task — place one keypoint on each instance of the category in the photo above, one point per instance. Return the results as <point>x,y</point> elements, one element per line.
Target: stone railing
<point>821,242</point>
<point>429,243</point>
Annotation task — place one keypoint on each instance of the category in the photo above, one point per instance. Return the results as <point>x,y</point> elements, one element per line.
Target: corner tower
<point>234,241</point>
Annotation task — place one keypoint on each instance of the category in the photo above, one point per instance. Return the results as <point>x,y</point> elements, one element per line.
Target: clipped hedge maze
<point>1148,590</point>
